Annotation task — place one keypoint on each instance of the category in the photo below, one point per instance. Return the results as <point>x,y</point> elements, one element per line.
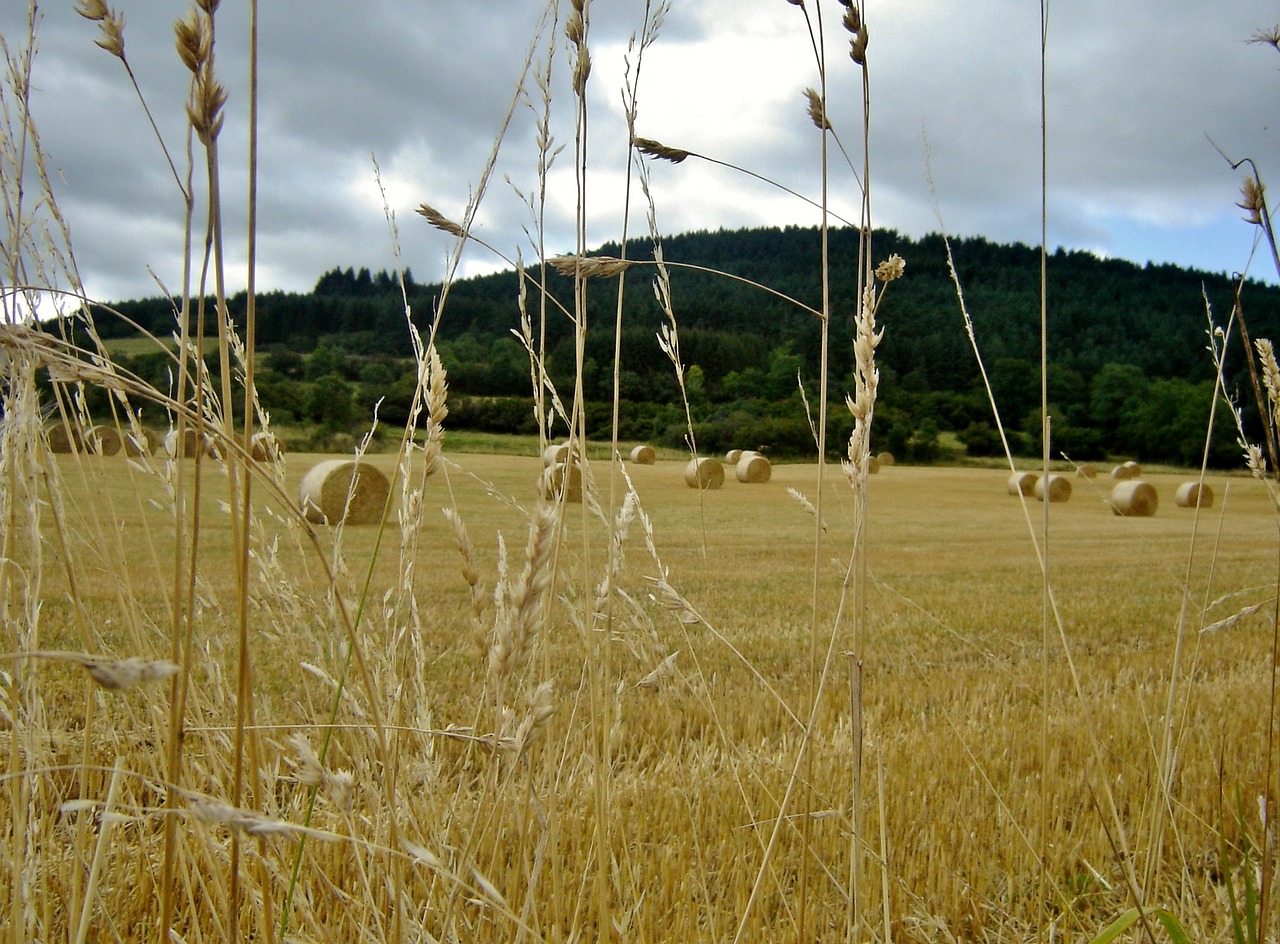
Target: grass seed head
<point>118,674</point>
<point>656,149</point>
<point>440,221</point>
<point>817,111</point>
<point>892,268</point>
<point>1253,200</point>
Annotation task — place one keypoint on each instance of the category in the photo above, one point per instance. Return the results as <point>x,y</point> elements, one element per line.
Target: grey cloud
<point>1136,92</point>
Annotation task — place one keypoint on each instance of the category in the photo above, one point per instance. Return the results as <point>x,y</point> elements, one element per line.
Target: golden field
<point>1010,764</point>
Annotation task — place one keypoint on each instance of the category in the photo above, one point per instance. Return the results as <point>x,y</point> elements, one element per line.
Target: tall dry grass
<point>841,708</point>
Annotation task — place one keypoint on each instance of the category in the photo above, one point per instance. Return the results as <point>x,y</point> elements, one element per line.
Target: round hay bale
<point>1193,495</point>
<point>873,465</point>
<point>184,449</point>
<point>704,473</point>
<point>137,444</point>
<point>1022,483</point>
<point>1087,471</point>
<point>753,468</point>
<point>101,440</point>
<point>643,455</point>
<point>324,490</point>
<point>61,440</point>
<point>1126,471</point>
<point>265,447</point>
<point>1057,489</point>
<point>555,453</point>
<point>733,457</point>
<point>1134,498</point>
<point>886,458</point>
<point>562,477</point>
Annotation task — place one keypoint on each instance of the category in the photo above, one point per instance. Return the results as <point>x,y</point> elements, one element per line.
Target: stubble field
<point>1009,772</point>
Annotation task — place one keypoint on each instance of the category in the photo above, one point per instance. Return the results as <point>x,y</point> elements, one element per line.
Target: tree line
<point>1129,371</point>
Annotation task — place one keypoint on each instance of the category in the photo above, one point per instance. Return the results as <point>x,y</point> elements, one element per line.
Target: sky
<point>1148,102</point>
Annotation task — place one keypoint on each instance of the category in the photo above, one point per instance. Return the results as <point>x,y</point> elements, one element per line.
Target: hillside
<point>1129,374</point>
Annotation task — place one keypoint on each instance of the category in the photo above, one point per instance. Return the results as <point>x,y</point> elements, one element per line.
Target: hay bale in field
<point>733,457</point>
<point>1053,488</point>
<point>1134,498</point>
<point>1022,483</point>
<point>101,440</point>
<point>562,477</point>
<point>184,449</point>
<point>322,496</point>
<point>62,440</point>
<point>1087,471</point>
<point>643,455</point>
<point>264,446</point>
<point>136,444</point>
<point>704,473</point>
<point>753,468</point>
<point>1126,471</point>
<point>555,453</point>
<point>886,458</point>
<point>873,465</point>
<point>1193,495</point>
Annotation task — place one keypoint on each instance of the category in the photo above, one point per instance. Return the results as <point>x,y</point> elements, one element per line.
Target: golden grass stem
<point>107,821</point>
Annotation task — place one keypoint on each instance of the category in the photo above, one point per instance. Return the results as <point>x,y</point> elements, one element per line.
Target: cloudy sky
<point>1141,95</point>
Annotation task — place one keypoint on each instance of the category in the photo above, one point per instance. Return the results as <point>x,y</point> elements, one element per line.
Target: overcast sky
<point>1139,94</point>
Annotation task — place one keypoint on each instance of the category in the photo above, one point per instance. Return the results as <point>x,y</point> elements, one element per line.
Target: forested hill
<point>1115,329</point>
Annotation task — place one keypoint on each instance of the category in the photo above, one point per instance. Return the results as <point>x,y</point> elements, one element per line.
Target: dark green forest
<point>1130,373</point>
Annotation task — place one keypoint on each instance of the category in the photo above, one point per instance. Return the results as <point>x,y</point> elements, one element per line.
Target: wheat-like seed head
<point>590,267</point>
<point>1270,377</point>
<point>440,221</point>
<point>1253,200</point>
<point>656,149</point>
<point>193,40</point>
<point>858,45</point>
<point>118,674</point>
<point>581,71</point>
<point>817,111</point>
<point>891,269</point>
<point>110,25</point>
<point>204,111</point>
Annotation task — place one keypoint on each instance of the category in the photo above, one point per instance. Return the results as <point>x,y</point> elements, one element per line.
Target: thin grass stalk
<point>578,29</point>
<point>267,921</point>
<point>1045,432</point>
<point>815,630</point>
<point>859,562</point>
<point>205,111</point>
<point>182,613</point>
<point>1272,794</point>
<point>99,853</point>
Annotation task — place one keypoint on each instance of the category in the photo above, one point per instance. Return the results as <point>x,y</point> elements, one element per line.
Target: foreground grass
<point>700,746</point>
